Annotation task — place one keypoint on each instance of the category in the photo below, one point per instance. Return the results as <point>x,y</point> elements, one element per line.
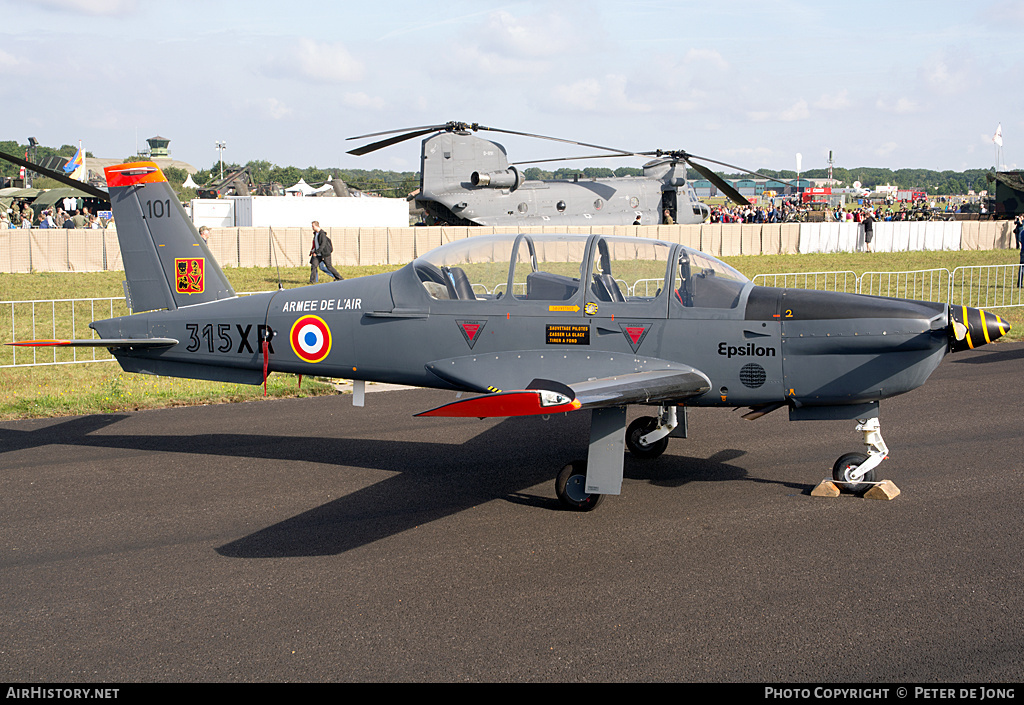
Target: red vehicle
<point>815,196</point>
<point>910,195</point>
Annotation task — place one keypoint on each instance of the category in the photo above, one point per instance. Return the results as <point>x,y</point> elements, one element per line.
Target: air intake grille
<point>752,375</point>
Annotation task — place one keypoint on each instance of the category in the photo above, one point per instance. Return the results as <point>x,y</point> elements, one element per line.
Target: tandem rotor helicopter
<point>533,324</point>
<point>467,180</point>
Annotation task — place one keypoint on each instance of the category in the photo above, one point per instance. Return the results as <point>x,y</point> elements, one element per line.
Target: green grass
<point>57,390</point>
<point>79,285</point>
<point>861,262</point>
<point>99,388</point>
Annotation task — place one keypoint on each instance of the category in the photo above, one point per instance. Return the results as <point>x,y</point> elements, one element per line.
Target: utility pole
<point>221,146</point>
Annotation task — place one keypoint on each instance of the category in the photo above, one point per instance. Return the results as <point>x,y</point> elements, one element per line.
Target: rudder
<point>166,262</point>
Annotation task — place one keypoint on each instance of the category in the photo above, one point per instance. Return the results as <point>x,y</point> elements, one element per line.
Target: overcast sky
<point>895,83</point>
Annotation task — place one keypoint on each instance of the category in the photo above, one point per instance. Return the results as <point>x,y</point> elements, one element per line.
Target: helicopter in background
<point>468,180</point>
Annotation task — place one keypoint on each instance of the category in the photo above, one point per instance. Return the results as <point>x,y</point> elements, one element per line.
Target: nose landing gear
<point>856,471</point>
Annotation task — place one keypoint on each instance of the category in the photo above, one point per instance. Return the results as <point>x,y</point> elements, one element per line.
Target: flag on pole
<point>998,136</point>
<point>76,167</point>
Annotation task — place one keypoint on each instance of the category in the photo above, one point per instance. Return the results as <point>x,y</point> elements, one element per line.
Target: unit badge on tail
<point>189,275</point>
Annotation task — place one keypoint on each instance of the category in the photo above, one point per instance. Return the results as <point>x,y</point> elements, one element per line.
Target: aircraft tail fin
<point>166,262</point>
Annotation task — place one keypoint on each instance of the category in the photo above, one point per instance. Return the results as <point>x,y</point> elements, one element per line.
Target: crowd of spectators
<point>918,211</point>
<point>756,214</point>
<point>787,212</point>
<point>21,215</point>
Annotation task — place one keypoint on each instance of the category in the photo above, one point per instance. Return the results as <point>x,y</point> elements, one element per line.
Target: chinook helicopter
<point>467,180</point>
<point>534,324</point>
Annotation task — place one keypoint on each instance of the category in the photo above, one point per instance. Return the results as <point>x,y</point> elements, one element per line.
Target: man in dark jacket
<point>869,230</point>
<point>320,255</point>
<point>1018,231</point>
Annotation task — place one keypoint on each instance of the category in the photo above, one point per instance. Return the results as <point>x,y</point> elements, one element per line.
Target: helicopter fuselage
<point>467,180</point>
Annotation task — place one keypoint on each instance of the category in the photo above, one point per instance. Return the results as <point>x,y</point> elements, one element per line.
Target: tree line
<point>948,183</point>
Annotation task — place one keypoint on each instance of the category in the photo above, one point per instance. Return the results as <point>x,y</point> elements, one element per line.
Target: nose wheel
<point>845,470</point>
<point>856,471</point>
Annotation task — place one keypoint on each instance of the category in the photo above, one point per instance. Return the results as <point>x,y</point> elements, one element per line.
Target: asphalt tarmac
<point>308,540</point>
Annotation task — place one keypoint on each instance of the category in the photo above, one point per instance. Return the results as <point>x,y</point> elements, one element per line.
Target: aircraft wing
<point>548,397</point>
<point>652,386</point>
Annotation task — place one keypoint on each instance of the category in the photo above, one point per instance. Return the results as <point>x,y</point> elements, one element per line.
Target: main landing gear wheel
<point>844,467</point>
<point>636,431</point>
<point>570,487</point>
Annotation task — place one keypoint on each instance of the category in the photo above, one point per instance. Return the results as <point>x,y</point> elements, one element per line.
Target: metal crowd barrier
<point>847,282</point>
<point>982,286</point>
<point>56,319</point>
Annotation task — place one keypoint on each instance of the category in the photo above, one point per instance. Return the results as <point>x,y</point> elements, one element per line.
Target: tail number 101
<point>158,209</point>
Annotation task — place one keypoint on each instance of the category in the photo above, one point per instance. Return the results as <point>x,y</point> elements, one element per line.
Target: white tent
<point>301,189</point>
<point>189,183</point>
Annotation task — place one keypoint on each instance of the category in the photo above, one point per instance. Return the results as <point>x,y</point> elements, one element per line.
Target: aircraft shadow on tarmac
<point>1002,353</point>
<point>445,482</point>
<point>432,480</point>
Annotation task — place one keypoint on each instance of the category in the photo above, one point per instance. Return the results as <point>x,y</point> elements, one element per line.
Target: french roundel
<point>311,338</point>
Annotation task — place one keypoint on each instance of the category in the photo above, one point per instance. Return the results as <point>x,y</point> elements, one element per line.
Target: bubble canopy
<point>552,267</point>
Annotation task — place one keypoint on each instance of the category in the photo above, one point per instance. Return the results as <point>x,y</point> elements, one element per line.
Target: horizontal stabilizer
<point>99,343</point>
<point>528,402</point>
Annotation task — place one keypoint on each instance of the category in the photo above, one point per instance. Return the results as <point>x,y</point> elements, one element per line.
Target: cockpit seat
<point>607,289</point>
<point>459,286</point>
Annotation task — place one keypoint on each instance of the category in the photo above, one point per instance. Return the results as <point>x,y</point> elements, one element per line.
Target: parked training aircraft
<point>535,324</point>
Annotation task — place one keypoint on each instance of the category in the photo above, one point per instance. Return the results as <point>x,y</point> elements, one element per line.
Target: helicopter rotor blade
<point>719,182</point>
<point>408,134</point>
<point>618,152</point>
<point>57,176</point>
<point>393,132</point>
<point>569,159</point>
<point>704,171</point>
<point>413,132</point>
<point>688,157</point>
<point>373,147</point>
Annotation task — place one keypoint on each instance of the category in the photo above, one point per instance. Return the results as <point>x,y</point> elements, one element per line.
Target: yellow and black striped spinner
<point>973,327</point>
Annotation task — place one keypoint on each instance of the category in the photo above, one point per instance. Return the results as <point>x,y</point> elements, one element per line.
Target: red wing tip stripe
<point>522,403</point>
<point>100,343</point>
<point>38,343</point>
